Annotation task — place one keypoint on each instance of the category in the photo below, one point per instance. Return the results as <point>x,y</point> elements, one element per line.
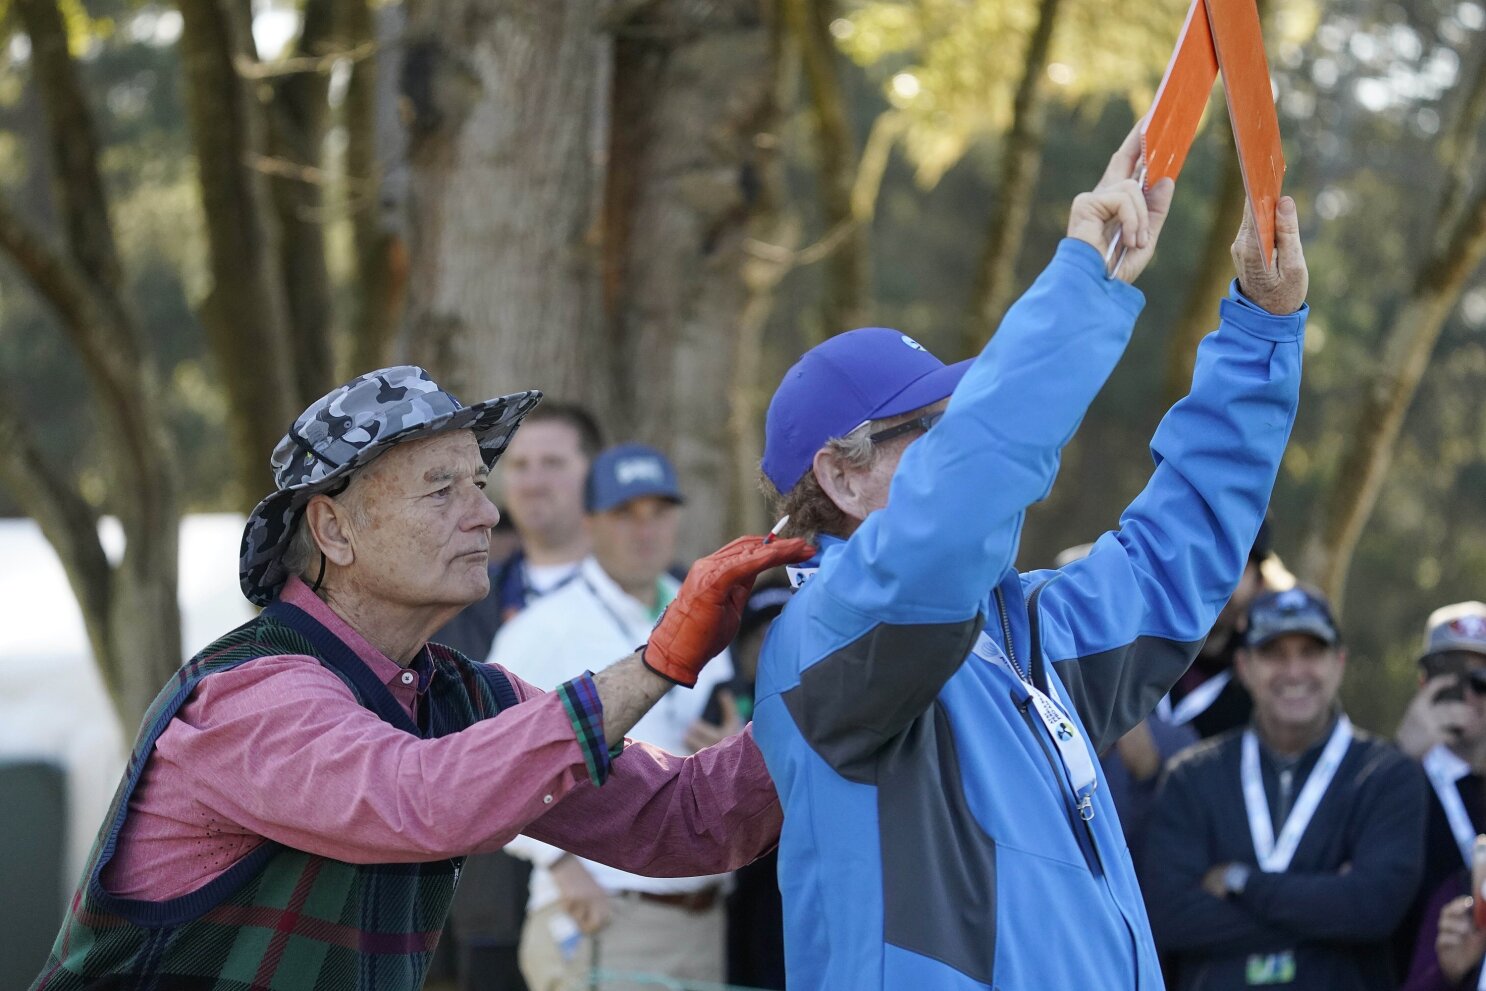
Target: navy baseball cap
<point>629,471</point>
<point>836,386</point>
<point>1295,610</point>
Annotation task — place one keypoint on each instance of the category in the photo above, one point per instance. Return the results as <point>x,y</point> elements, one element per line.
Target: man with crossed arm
<point>1284,853</point>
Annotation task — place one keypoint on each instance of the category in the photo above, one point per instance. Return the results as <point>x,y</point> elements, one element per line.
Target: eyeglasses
<point>923,423</point>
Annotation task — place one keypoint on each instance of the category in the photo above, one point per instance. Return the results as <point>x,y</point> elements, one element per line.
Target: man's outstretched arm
<point>1122,624</point>
<point>913,578</point>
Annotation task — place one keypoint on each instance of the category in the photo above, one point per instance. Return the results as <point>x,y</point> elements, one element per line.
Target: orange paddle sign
<point>1166,133</point>
<point>1220,35</point>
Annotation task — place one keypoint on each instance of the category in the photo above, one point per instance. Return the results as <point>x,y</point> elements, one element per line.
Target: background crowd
<point>1368,893</point>
<point>212,212</point>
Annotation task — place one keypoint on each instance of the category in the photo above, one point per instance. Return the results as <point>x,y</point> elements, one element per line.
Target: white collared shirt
<point>586,625</point>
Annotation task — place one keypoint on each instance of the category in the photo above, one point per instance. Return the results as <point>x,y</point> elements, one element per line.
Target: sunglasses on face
<point>923,423</point>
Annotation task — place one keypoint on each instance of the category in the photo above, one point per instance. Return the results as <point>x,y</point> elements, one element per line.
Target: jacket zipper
<point>1083,829</point>
<point>1006,635</point>
<point>1083,810</point>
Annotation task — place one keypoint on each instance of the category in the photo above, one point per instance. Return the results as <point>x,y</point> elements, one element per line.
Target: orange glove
<point>704,617</point>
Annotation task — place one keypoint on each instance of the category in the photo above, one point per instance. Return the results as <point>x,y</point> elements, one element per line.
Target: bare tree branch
<point>847,261</point>
<point>1408,345</point>
<point>252,69</point>
<point>296,135</point>
<point>73,145</point>
<point>66,520</point>
<point>247,313</point>
<point>91,321</point>
<point>996,282</point>
<point>381,274</point>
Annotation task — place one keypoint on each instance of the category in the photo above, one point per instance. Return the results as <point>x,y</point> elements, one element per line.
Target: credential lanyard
<point>1275,855</point>
<point>1437,764</point>
<point>1195,702</point>
<point>1072,750</point>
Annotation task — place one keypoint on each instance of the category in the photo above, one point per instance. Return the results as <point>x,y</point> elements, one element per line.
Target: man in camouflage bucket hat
<point>303,791</point>
<point>346,429</point>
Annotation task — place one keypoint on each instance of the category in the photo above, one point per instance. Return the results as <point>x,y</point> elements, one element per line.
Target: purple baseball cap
<point>841,383</point>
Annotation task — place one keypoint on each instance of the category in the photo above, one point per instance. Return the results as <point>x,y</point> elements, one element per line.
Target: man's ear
<point>841,484</point>
<point>328,523</point>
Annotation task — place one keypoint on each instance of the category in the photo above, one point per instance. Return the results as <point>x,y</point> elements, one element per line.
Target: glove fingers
<point>753,560</point>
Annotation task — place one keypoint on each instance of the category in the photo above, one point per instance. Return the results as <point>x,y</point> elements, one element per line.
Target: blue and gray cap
<point>1295,610</point>
<point>345,430</point>
<point>629,471</point>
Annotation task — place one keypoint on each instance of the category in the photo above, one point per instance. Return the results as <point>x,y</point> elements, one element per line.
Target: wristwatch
<point>1235,878</point>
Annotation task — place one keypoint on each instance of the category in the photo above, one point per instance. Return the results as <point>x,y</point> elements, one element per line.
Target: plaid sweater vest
<point>279,918</point>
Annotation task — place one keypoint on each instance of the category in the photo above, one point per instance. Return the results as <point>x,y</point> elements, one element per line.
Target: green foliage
<point>952,66</point>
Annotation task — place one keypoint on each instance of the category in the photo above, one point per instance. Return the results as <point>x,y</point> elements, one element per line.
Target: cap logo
<point>1469,626</point>
<point>1292,599</point>
<point>912,343</point>
<point>631,470</point>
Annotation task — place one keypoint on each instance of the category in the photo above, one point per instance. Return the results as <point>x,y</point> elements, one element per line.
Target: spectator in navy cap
<point>1285,853</point>
<point>583,914</point>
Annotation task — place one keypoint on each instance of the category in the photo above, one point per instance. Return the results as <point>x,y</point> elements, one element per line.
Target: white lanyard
<point>1441,765</point>
<point>1064,733</point>
<point>1275,857</point>
<point>1195,702</point>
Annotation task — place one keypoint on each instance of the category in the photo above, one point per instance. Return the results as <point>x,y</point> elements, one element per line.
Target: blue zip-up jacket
<point>931,837</point>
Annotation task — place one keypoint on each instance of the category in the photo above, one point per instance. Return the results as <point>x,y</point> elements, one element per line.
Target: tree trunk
<point>296,133</point>
<point>1209,283</point>
<point>693,90</point>
<point>848,267</point>
<point>246,314</point>
<point>995,285</point>
<point>380,283</point>
<point>505,131</point>
<point>1407,347</point>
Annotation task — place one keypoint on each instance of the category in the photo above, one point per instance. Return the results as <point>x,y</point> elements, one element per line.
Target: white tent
<point>53,705</point>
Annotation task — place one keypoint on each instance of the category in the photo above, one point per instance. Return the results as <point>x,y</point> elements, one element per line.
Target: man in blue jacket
<point>1284,853</point>
<point>932,718</point>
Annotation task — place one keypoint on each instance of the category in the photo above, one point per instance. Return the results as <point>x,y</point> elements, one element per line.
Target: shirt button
<point>546,799</point>
<point>407,677</point>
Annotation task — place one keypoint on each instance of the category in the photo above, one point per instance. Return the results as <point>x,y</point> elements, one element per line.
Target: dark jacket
<point>1354,873</point>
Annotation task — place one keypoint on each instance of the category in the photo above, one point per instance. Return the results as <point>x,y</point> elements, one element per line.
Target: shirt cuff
<point>580,697</point>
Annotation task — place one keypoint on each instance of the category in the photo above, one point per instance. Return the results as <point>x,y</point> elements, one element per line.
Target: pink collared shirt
<point>279,749</point>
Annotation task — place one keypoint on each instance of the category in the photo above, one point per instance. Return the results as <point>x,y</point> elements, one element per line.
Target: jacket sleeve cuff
<point>1244,312</point>
<point>1086,258</point>
<point>580,698</point>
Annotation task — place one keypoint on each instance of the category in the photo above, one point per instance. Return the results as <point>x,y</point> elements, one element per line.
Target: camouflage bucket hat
<point>343,431</point>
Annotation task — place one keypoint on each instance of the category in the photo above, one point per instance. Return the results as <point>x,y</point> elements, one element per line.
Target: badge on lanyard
<point>1264,969</point>
<point>1066,738</point>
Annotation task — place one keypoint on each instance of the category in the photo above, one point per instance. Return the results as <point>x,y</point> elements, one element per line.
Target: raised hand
<point>1280,288</point>
<point>1118,203</point>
